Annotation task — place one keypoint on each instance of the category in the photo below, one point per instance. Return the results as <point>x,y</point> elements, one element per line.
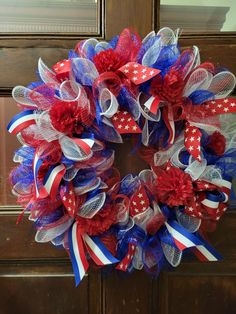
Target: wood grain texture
<point>217,48</point>
<point>43,295</point>
<point>137,14</point>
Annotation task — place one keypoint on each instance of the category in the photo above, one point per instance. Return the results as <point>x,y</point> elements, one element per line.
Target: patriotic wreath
<point>174,109</point>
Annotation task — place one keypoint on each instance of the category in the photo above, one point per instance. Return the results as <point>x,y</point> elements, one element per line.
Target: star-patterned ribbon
<point>192,140</point>
<point>124,264</point>
<point>124,123</point>
<point>137,73</point>
<point>139,202</point>
<point>68,198</point>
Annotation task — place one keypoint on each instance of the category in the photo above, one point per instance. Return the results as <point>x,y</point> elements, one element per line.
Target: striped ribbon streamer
<point>184,239</point>
<point>21,121</point>
<point>96,249</point>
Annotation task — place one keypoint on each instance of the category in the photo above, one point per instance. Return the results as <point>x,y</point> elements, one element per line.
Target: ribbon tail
<point>124,264</point>
<point>77,253</point>
<point>98,251</point>
<point>184,239</point>
<point>206,252</point>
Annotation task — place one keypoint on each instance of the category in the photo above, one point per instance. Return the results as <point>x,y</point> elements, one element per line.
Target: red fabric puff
<point>217,143</point>
<point>100,223</point>
<point>169,88</point>
<point>66,117</point>
<point>108,60</point>
<point>174,187</point>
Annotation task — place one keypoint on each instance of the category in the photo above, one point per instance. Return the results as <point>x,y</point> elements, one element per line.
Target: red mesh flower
<point>100,223</point>
<point>169,88</point>
<point>108,60</point>
<point>174,187</point>
<point>217,143</point>
<point>66,117</point>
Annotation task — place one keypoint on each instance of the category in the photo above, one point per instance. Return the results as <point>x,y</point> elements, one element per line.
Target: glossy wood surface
<point>38,278</point>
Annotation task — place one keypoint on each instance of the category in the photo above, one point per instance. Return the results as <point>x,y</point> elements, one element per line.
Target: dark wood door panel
<point>198,294</point>
<point>43,294</point>
<point>127,294</point>
<point>17,241</point>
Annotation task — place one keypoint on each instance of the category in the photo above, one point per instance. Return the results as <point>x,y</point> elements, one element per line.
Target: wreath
<point>177,113</point>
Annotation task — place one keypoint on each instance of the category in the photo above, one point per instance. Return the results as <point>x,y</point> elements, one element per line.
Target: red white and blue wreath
<point>176,109</point>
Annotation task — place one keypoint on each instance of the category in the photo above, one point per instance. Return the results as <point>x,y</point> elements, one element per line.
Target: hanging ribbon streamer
<point>96,249</point>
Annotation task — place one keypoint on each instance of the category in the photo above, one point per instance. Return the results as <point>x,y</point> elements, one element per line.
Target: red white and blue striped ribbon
<point>96,249</point>
<point>77,253</point>
<point>85,144</point>
<point>184,239</point>
<point>21,121</point>
<point>212,201</point>
<point>53,179</point>
<point>152,104</point>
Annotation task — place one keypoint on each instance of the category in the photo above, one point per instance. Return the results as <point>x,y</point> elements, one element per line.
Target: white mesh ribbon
<point>92,206</point>
<point>20,189</point>
<point>222,84</point>
<point>175,157</point>
<point>228,129</point>
<point>70,173</point>
<point>138,258</point>
<point>168,36</point>
<point>147,176</point>
<point>142,219</point>
<point>48,233</point>
<point>190,223</point>
<point>85,70</point>
<point>211,173</point>
<point>87,43</point>
<point>47,75</point>
<point>152,54</point>
<point>101,46</point>
<point>70,90</point>
<point>45,128</point>
<point>148,36</point>
<point>196,168</point>
<point>73,151</point>
<point>200,79</point>
<point>162,157</point>
<point>108,103</point>
<point>172,254</point>
<point>194,61</point>
<point>20,95</point>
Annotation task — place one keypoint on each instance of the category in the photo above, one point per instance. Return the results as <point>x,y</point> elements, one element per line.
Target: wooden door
<point>37,278</point>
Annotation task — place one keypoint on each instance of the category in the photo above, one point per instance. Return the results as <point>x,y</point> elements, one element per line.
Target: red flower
<point>169,88</point>
<point>174,187</point>
<point>100,223</point>
<point>66,117</point>
<point>217,143</point>
<point>108,60</point>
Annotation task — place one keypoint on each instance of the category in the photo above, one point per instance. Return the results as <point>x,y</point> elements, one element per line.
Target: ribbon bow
<point>79,244</point>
